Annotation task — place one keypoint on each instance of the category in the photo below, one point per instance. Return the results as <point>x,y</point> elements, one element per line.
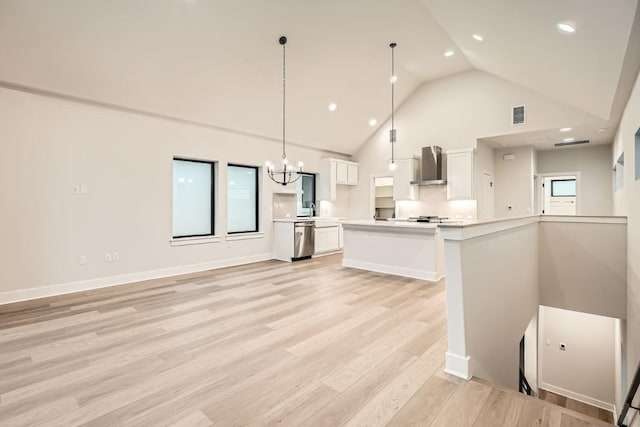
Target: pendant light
<point>286,175</point>
<point>392,132</point>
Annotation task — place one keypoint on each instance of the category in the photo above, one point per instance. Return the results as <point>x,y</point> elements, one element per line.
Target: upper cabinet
<point>334,172</point>
<point>460,173</point>
<point>406,172</point>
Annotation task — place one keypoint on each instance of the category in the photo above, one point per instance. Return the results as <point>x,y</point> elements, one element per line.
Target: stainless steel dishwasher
<point>303,239</point>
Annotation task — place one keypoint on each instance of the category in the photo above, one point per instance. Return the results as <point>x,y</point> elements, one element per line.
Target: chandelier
<point>286,175</point>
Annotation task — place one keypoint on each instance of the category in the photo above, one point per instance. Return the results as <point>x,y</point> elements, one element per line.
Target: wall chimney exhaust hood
<point>433,167</point>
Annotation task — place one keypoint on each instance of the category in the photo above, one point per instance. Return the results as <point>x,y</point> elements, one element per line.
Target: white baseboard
<point>104,282</point>
<point>457,365</point>
<point>579,397</point>
<point>432,276</point>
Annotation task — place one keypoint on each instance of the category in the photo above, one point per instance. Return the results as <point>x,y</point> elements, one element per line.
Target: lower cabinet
<point>327,239</point>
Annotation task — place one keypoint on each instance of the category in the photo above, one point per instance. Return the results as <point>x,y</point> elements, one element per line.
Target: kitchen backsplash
<point>433,201</point>
<point>284,206</point>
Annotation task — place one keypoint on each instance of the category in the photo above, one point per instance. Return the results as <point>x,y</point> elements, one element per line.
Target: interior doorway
<point>382,204</point>
<point>486,197</point>
<point>559,193</point>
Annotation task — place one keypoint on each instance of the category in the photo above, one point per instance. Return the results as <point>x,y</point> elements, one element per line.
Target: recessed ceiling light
<point>332,106</point>
<point>566,27</point>
<point>478,37</point>
<point>569,139</point>
<point>565,129</point>
<point>602,130</point>
<point>373,122</point>
<point>449,53</point>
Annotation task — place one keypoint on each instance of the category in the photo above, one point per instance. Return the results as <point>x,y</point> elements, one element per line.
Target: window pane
<point>243,199</point>
<point>306,187</point>
<point>192,184</point>
<point>563,188</point>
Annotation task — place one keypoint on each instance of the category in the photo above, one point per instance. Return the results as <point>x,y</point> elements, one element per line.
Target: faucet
<point>313,209</point>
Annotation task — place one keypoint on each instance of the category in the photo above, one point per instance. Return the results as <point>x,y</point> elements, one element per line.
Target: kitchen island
<point>409,249</point>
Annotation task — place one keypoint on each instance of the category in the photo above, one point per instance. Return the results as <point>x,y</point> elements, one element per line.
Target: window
<point>306,187</point>
<point>563,188</point>
<point>193,198</point>
<point>242,214</point>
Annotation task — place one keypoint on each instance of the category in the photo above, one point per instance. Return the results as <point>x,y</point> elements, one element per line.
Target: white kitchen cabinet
<point>460,173</point>
<point>335,172</point>
<point>342,173</point>
<point>327,239</point>
<point>352,174</point>
<point>406,172</point>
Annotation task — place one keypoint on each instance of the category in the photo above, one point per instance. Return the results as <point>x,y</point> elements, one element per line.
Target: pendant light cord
<point>392,134</point>
<point>283,41</point>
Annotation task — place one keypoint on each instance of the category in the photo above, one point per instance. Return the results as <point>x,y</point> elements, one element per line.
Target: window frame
<point>212,165</point>
<point>565,180</point>
<point>257,201</point>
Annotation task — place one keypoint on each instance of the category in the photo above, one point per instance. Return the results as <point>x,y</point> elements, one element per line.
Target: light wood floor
<point>309,344</point>
<point>583,408</point>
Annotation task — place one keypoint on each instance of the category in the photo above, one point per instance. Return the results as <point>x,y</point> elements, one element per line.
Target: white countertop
<point>307,219</point>
<point>391,224</point>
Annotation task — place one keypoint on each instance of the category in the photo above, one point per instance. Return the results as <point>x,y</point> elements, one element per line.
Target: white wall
<point>585,369</point>
<point>125,159</point>
<point>514,181</point>
<point>453,112</point>
<point>594,165</point>
<point>582,266</point>
<point>627,202</point>
<point>492,294</point>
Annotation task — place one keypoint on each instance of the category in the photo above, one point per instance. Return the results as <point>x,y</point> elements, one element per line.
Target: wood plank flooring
<point>303,344</point>
<point>583,408</point>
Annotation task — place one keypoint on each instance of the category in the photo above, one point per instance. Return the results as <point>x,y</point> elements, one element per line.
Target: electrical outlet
<point>75,189</point>
<point>84,189</point>
<point>116,256</point>
<point>83,259</point>
<point>107,257</point>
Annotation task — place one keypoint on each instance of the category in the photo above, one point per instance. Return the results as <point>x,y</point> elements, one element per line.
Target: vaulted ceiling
<point>218,62</point>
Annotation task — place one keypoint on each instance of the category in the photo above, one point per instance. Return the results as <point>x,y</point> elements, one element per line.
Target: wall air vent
<point>564,144</point>
<point>517,115</point>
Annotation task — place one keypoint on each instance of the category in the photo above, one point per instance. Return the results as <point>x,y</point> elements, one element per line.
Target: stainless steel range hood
<point>433,167</point>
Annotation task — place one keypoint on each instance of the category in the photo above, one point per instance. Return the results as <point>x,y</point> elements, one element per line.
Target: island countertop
<point>398,226</point>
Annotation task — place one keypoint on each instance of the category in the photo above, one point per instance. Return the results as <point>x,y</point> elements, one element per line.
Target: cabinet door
<point>460,176</point>
<point>404,174</point>
<point>327,239</point>
<point>352,174</point>
<point>342,173</point>
<point>327,181</point>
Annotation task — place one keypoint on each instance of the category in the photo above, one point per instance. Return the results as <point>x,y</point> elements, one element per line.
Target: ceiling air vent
<point>517,115</point>
<point>564,144</point>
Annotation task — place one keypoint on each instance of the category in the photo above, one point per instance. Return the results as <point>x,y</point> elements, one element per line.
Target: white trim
<point>457,365</point>
<point>579,397</point>
<point>585,219</point>
<point>244,236</point>
<point>104,282</point>
<point>200,240</point>
<point>389,269</point>
<point>469,231</point>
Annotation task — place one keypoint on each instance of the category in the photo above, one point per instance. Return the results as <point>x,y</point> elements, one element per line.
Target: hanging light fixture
<point>392,132</point>
<point>286,175</point>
